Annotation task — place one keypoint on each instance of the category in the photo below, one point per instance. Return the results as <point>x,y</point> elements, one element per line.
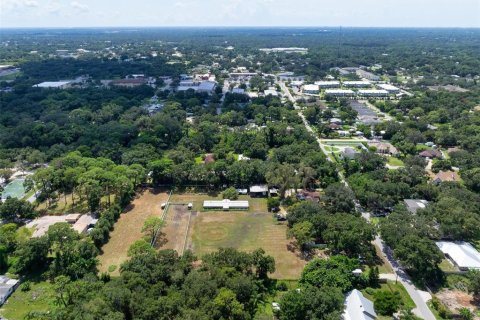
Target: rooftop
<point>462,253</point>
<point>357,307</point>
<point>414,204</point>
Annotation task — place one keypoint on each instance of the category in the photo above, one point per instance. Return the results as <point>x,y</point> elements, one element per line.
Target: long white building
<point>357,84</point>
<point>328,84</point>
<point>461,253</point>
<point>311,89</point>
<point>373,93</point>
<point>340,93</point>
<point>389,88</point>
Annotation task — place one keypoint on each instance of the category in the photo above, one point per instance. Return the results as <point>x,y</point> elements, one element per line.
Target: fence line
<point>164,214</point>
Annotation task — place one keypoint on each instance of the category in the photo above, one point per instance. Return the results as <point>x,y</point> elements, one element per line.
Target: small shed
<point>259,191</point>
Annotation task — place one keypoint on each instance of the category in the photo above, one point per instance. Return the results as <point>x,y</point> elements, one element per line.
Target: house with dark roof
<point>431,154</point>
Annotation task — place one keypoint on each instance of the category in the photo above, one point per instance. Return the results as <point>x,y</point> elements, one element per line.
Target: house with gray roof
<point>357,307</point>
<point>7,287</point>
<point>414,204</point>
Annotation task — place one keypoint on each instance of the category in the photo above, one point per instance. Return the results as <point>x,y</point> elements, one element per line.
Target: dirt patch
<point>176,227</point>
<point>456,299</point>
<point>128,228</point>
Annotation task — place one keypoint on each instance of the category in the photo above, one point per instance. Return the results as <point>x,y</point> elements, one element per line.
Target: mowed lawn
<point>128,228</point>
<point>244,230</point>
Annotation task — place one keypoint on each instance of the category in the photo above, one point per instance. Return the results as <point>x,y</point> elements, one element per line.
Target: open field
<point>128,228</point>
<point>244,230</point>
<point>41,297</point>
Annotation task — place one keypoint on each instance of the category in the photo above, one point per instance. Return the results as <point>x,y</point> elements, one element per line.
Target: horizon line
<point>237,27</point>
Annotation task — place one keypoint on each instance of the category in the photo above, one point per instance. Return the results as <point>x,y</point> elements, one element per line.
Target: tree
<point>387,302</point>
<point>474,283</point>
<point>350,235</point>
<point>263,264</point>
<point>466,314</point>
<point>151,227</point>
<point>323,303</point>
<point>140,247</point>
<point>13,209</point>
<point>419,255</point>
<point>31,254</point>
<point>283,176</point>
<point>302,232</point>
<point>333,272</point>
<point>338,198</point>
<point>228,306</point>
<point>230,193</point>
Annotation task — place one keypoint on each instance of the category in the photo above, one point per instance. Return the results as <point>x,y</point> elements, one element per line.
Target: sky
<point>163,13</point>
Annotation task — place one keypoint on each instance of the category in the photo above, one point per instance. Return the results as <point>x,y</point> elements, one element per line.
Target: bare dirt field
<point>456,299</point>
<point>128,228</point>
<point>176,227</point>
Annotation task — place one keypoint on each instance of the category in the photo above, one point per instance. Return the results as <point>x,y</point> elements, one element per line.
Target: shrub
<point>273,202</point>
<point>230,193</point>
<point>282,286</point>
<point>387,302</point>
<point>26,286</point>
<point>112,268</point>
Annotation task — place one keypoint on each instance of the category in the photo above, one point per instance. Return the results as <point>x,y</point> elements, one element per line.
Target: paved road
<point>418,296</point>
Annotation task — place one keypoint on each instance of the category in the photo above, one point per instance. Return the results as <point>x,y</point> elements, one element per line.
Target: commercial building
<point>128,83</point>
<point>225,205</point>
<point>328,84</point>
<point>367,75</point>
<point>311,89</point>
<point>391,89</point>
<point>460,253</point>
<point>357,307</point>
<point>357,84</point>
<point>373,93</point>
<point>64,84</point>
<point>339,93</point>
<point>203,86</point>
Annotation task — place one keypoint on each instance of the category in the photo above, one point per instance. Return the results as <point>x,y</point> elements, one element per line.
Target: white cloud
<point>79,6</point>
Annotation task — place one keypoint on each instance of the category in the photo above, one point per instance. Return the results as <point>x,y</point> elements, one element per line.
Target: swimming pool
<point>14,189</point>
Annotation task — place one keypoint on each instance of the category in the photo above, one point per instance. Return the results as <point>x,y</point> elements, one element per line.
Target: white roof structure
<point>388,87</point>
<point>270,91</point>
<point>328,84</point>
<point>357,307</point>
<point>356,83</point>
<point>339,92</point>
<point>373,92</point>
<point>262,188</point>
<point>463,254</point>
<point>311,88</point>
<point>53,84</point>
<point>225,204</point>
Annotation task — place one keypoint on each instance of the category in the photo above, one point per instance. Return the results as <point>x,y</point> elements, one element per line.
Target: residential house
<point>385,148</point>
<point>414,204</point>
<point>446,176</point>
<point>357,307</point>
<point>431,154</point>
<point>349,153</point>
<point>209,158</point>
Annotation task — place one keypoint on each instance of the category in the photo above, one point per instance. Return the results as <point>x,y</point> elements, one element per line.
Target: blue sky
<point>357,13</point>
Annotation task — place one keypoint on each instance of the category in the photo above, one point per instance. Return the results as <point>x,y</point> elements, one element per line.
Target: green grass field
<point>395,162</point>
<point>41,298</point>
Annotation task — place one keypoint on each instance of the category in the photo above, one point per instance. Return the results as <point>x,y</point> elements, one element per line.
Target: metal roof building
<point>226,204</point>
<point>461,253</point>
<point>357,307</point>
